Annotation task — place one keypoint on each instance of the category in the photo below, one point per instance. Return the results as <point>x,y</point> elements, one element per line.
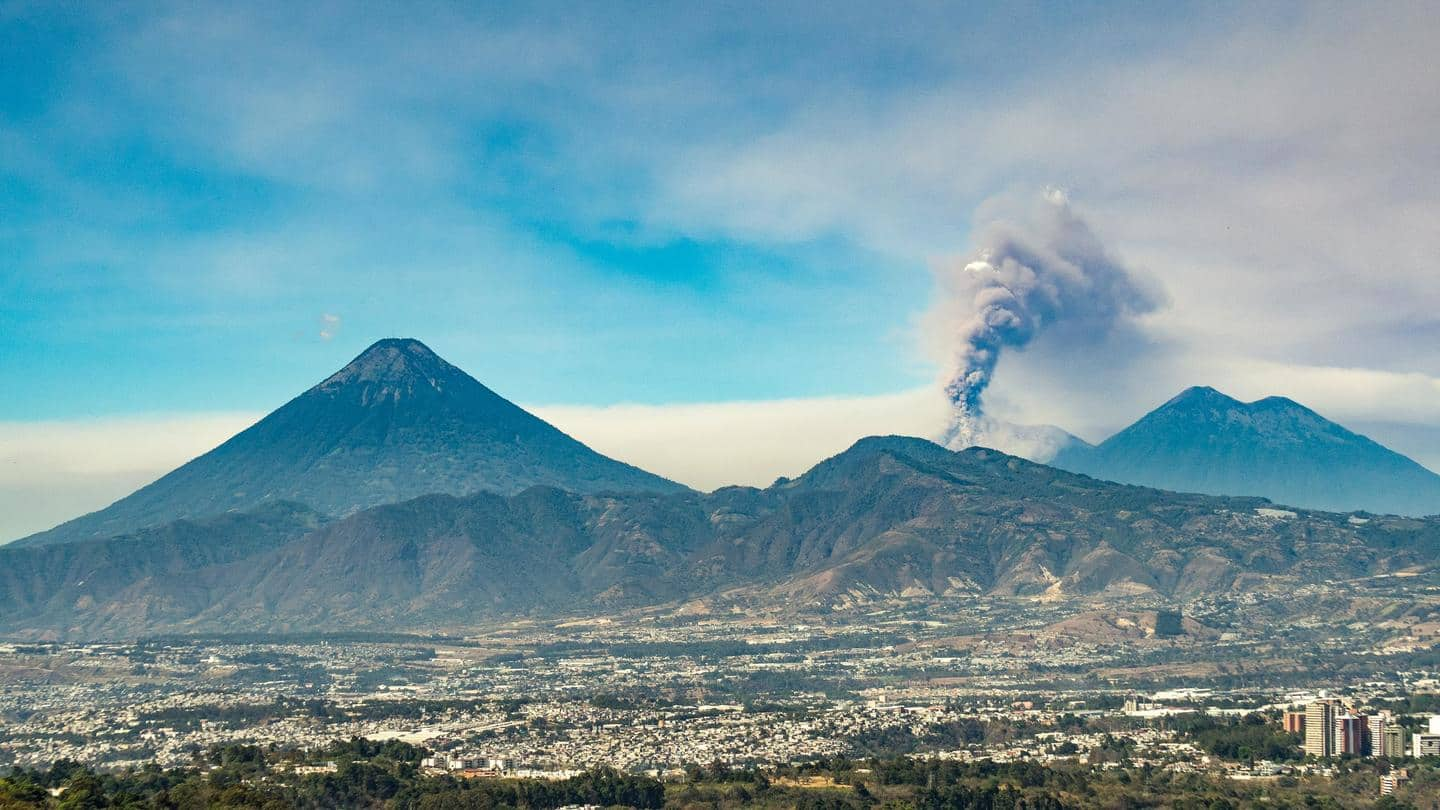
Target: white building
<point>1425,745</point>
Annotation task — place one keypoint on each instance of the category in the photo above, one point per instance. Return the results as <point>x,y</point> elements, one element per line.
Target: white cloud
<point>1270,168</point>
<point>1273,177</point>
<point>713,444</point>
<point>53,471</point>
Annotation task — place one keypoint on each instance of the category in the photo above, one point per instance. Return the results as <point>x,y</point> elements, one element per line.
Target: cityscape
<point>659,694</point>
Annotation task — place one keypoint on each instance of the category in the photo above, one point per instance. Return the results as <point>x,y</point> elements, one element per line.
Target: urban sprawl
<point>657,694</point>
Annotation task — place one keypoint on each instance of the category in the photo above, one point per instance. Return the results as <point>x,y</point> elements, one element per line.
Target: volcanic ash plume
<point>1025,278</point>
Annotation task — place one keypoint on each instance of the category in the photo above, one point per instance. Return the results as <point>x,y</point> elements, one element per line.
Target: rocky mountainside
<point>396,423</point>
<point>1205,441</point>
<point>889,518</point>
<point>128,580</point>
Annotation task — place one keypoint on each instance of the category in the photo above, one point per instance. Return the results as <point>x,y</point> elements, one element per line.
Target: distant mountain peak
<point>1280,404</point>
<point>395,362</point>
<point>1202,395</point>
<point>1206,441</point>
<point>1270,419</point>
<point>1206,396</point>
<point>395,423</point>
<point>892,443</point>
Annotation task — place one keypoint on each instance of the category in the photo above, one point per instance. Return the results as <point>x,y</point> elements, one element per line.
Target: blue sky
<point>187,190</point>
<point>590,206</point>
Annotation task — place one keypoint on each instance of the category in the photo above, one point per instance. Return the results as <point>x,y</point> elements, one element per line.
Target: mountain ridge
<point>889,518</point>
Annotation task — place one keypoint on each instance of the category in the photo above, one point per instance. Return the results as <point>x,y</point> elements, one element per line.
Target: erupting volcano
<point>1026,278</point>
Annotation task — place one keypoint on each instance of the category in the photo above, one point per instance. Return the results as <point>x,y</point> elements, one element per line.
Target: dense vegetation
<point>1247,739</point>
<point>367,774</point>
<point>387,775</point>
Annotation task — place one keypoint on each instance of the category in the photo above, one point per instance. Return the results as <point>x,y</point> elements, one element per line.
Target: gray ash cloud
<point>1026,277</point>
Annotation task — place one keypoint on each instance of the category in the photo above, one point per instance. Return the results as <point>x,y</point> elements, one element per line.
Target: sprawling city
<point>1347,709</point>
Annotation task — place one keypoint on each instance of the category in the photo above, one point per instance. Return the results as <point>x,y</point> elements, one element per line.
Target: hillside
<point>136,579</point>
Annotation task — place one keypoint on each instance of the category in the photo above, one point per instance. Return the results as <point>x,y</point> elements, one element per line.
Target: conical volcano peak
<point>1205,441</point>
<point>396,423</point>
<point>1202,396</point>
<point>399,363</point>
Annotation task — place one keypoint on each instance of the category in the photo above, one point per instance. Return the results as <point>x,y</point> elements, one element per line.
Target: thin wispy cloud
<point>329,326</point>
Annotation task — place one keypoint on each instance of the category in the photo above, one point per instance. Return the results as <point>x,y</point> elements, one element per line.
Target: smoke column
<point>1026,278</point>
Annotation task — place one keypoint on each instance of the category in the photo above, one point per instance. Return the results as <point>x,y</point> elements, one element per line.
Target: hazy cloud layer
<point>53,471</point>
<point>50,472</point>
<point>711,445</point>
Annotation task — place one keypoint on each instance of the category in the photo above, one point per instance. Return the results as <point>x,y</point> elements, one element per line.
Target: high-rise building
<point>1320,728</point>
<point>1435,724</point>
<point>1378,722</point>
<point>1392,742</point>
<point>1425,745</point>
<point>1350,733</point>
<point>1295,722</point>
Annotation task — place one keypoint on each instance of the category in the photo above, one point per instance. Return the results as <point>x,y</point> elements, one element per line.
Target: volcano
<point>396,423</point>
<point>1205,441</point>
